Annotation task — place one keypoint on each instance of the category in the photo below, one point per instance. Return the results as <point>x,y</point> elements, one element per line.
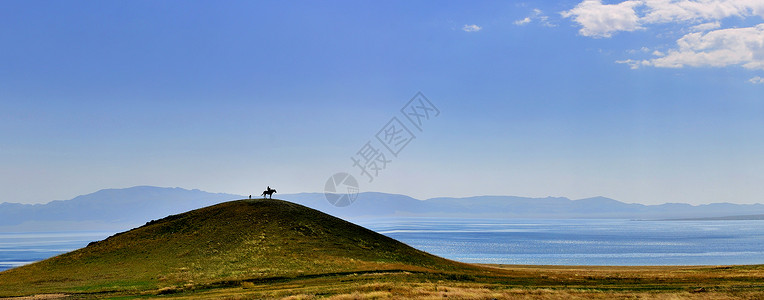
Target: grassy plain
<point>513,282</point>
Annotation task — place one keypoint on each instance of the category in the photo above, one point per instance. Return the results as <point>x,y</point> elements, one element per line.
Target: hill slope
<point>232,241</point>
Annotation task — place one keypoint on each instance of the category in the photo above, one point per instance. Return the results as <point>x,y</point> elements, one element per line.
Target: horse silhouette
<point>267,193</point>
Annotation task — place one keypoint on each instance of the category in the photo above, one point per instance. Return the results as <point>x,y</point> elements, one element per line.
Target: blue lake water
<point>519,241</point>
<point>583,242</point>
<point>18,249</point>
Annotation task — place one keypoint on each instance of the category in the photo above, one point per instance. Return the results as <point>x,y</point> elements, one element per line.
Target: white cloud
<point>708,43</point>
<point>718,48</point>
<point>523,21</point>
<point>661,11</point>
<point>635,51</point>
<point>633,64</point>
<point>545,21</point>
<point>706,26</point>
<point>536,15</point>
<point>602,20</point>
<point>756,80</point>
<point>471,28</point>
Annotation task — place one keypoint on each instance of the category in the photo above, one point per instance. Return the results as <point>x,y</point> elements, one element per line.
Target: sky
<point>643,101</point>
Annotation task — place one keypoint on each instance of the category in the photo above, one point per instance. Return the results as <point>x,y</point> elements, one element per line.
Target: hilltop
<point>221,245</point>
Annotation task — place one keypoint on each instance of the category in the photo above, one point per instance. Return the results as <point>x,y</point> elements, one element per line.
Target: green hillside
<point>221,245</point>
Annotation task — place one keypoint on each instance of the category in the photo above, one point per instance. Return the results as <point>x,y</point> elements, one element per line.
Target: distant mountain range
<point>370,205</point>
<point>120,209</point>
<point>109,209</point>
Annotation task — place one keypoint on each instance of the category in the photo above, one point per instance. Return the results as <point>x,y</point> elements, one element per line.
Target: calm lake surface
<point>583,242</point>
<point>18,249</point>
<point>519,241</point>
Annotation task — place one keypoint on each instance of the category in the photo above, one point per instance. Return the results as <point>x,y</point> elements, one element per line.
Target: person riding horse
<point>268,192</point>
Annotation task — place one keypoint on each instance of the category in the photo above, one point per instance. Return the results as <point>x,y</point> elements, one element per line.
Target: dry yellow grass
<point>520,282</point>
<point>39,297</point>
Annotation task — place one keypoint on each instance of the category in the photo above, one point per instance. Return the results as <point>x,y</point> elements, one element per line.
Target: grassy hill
<point>221,245</point>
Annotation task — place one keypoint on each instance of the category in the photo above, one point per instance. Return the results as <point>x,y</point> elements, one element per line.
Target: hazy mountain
<point>119,209</point>
<point>391,205</point>
<point>107,209</point>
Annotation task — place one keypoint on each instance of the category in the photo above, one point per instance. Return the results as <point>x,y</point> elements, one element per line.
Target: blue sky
<point>642,101</point>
